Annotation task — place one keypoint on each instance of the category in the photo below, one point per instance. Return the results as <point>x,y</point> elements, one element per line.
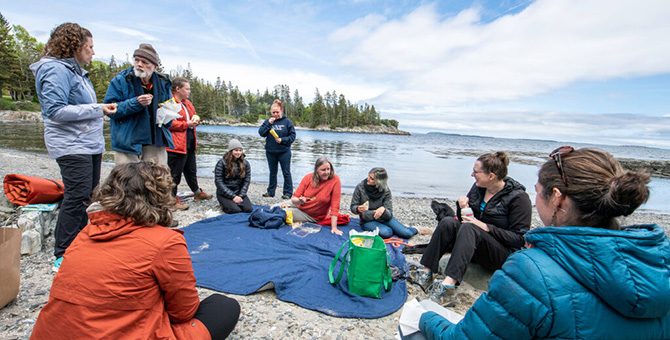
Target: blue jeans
<point>387,229</point>
<point>274,160</point>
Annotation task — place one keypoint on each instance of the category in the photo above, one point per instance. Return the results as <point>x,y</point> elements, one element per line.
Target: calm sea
<point>420,165</point>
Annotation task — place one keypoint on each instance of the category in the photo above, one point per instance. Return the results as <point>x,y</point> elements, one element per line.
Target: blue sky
<point>581,71</point>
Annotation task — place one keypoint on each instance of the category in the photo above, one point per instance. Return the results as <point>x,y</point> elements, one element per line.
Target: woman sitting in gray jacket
<point>372,201</point>
<point>232,177</point>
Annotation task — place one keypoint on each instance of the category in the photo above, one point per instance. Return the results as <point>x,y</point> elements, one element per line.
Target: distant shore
<point>370,129</point>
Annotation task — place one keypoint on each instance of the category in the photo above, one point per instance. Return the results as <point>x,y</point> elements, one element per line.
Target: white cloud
<point>253,77</point>
<point>545,47</point>
<point>141,35</point>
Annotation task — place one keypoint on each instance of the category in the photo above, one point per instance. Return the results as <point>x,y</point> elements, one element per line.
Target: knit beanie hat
<point>148,52</point>
<point>234,144</point>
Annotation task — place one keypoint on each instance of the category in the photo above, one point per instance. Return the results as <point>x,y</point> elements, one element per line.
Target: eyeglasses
<point>556,156</point>
<point>479,172</point>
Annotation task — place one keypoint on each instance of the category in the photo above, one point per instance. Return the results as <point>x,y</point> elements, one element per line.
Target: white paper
<point>412,311</point>
<point>164,116</point>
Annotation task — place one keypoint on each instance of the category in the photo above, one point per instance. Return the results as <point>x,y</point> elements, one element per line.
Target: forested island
<point>218,103</point>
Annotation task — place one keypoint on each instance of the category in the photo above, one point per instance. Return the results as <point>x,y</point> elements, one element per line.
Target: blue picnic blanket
<point>230,256</point>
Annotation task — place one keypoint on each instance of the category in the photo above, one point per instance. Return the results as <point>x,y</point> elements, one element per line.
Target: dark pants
<point>219,314</point>
<point>80,174</point>
<point>284,159</point>
<point>466,242</point>
<point>230,207</point>
<point>185,163</point>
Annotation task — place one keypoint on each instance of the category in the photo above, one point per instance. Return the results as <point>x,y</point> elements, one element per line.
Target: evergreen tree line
<point>219,101</point>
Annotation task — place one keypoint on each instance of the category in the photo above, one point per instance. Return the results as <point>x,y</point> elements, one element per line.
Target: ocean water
<point>420,165</point>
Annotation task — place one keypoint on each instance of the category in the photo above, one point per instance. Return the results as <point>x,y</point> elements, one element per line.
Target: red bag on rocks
<point>23,190</point>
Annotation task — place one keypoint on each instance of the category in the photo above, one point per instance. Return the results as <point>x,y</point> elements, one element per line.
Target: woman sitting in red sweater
<point>126,276</point>
<point>318,196</point>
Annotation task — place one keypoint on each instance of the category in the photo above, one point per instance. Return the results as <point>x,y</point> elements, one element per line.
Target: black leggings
<point>466,242</point>
<point>219,314</point>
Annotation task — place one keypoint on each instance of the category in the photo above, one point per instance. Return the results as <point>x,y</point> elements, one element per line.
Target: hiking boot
<point>180,206</point>
<point>444,295</point>
<point>57,263</point>
<point>202,196</point>
<point>268,195</point>
<point>421,277</point>
<point>286,197</point>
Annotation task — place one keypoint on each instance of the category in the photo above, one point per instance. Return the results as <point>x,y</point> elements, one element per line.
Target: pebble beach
<point>263,315</point>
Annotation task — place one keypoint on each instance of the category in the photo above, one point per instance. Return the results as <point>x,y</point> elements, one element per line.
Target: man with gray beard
<point>138,90</point>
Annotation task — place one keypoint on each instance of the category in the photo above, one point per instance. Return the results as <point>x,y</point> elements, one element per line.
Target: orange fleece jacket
<point>327,197</point>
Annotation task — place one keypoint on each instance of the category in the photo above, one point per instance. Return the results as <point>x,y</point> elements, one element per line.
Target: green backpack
<point>368,269</point>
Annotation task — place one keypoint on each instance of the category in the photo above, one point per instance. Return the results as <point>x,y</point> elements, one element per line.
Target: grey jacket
<point>73,120</point>
<point>360,197</point>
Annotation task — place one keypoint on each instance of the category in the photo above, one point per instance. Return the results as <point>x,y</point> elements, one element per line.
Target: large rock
<point>31,242</point>
<point>476,275</point>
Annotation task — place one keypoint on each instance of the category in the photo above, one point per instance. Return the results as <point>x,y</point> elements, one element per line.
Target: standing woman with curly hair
<point>72,125</point>
<point>278,148</point>
<point>127,276</point>
<point>232,176</point>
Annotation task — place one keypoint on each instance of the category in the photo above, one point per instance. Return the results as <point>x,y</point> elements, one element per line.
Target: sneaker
<point>268,195</point>
<point>175,224</point>
<point>286,197</point>
<point>421,277</point>
<point>202,196</point>
<point>444,295</point>
<point>57,263</point>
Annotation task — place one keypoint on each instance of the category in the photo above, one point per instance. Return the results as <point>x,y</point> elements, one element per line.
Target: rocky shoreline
<point>263,315</point>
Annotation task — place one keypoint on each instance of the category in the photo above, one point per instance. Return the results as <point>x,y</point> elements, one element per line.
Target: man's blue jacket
<point>134,125</point>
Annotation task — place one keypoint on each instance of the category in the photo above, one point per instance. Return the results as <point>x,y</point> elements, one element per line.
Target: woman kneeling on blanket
<point>584,277</point>
<point>126,276</point>
<point>372,201</point>
<point>232,176</point>
<point>318,196</point>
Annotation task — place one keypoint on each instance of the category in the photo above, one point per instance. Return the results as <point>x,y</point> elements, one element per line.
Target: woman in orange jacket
<point>126,276</point>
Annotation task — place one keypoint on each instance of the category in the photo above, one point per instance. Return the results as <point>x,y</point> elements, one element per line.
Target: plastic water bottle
<point>467,212</point>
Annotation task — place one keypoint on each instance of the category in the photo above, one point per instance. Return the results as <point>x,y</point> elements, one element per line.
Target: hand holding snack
<point>109,109</point>
<point>145,99</point>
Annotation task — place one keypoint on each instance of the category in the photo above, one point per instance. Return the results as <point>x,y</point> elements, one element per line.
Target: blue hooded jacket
<point>73,119</point>
<point>132,124</point>
<point>284,129</point>
<point>575,283</point>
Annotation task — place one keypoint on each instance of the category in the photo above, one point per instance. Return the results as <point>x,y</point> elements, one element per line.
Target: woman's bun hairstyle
<point>597,185</point>
<point>495,163</point>
<point>278,103</point>
<point>626,192</point>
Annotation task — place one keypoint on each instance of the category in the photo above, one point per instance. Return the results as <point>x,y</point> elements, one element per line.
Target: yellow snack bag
<point>357,241</point>
<point>289,216</point>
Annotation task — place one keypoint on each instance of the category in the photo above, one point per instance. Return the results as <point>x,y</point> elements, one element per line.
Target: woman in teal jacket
<point>585,277</point>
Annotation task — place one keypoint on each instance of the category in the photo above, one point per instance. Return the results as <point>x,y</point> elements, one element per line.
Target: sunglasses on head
<point>556,156</point>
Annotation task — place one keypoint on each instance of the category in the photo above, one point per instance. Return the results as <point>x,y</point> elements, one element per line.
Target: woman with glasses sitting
<point>487,235</point>
<point>584,276</point>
